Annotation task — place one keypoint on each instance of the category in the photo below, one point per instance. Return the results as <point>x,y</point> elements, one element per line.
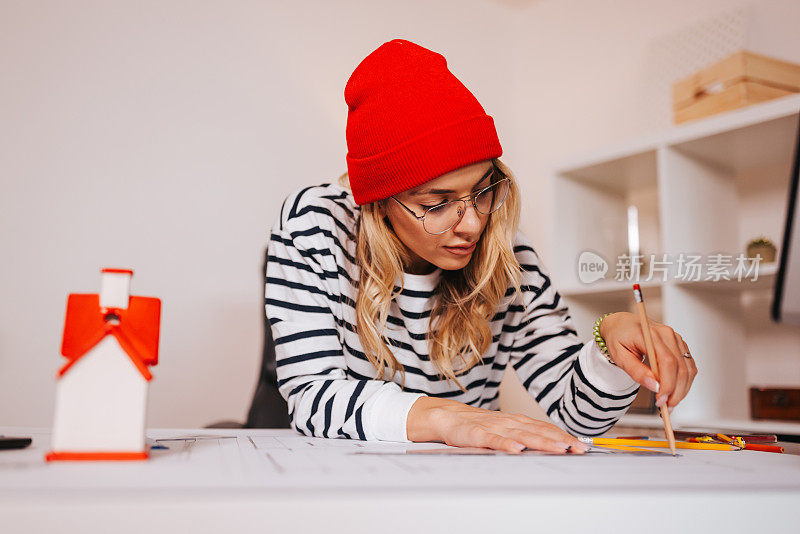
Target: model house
<point>110,340</point>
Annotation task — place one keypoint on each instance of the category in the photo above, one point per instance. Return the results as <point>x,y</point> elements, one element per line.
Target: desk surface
<point>269,475</point>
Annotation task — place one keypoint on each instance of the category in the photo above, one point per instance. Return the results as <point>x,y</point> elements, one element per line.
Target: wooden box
<point>775,403</point>
<point>737,81</point>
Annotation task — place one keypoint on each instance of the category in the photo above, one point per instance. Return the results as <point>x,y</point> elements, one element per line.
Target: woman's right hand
<point>460,425</point>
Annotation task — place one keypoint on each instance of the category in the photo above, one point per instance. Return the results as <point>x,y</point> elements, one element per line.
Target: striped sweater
<point>331,387</point>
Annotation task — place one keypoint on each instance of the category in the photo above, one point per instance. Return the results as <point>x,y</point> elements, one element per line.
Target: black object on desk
<point>14,443</point>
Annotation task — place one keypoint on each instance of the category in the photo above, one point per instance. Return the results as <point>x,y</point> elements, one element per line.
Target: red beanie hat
<point>409,121</point>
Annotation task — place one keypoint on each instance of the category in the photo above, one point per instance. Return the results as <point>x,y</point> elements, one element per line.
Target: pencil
<point>723,437</point>
<point>651,352</point>
<point>660,444</point>
<point>751,446</point>
<point>762,448</point>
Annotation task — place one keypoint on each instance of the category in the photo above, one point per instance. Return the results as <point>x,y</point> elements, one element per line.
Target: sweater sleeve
<point>573,382</point>
<point>301,295</point>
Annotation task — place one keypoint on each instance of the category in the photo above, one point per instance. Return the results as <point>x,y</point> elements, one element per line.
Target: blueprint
<point>283,459</point>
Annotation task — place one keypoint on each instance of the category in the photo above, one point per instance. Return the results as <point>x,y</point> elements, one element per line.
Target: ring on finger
<point>687,355</point>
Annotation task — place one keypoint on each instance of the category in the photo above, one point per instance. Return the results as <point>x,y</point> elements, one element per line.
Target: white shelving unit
<point>706,187</point>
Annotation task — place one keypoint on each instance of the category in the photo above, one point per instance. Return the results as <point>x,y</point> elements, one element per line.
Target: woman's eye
<point>434,206</point>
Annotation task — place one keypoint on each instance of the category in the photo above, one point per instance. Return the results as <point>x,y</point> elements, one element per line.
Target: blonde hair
<point>464,300</point>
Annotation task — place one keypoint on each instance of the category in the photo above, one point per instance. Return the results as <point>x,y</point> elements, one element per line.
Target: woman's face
<point>454,248</point>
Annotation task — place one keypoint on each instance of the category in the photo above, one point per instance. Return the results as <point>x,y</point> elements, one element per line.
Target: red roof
<point>115,270</point>
<point>137,332</point>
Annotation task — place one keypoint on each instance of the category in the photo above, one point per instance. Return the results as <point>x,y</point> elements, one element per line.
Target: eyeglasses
<point>441,218</point>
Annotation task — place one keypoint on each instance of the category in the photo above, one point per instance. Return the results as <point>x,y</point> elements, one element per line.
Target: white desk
<point>278,481</point>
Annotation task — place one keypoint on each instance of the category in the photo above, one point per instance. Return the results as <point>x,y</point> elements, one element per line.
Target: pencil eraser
<point>636,287</point>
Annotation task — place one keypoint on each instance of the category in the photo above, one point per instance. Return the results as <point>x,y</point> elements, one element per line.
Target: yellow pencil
<point>725,438</point>
<point>660,444</point>
<point>651,353</point>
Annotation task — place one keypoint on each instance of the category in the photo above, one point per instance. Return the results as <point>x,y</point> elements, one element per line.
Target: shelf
<point>766,279</point>
<point>764,118</point>
<point>635,171</point>
<point>612,288</point>
<point>748,147</point>
<point>702,137</point>
<point>702,188</point>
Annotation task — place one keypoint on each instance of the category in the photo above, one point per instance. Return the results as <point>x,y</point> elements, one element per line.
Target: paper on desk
<point>285,460</point>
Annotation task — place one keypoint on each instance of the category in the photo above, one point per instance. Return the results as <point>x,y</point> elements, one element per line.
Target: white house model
<point>109,341</point>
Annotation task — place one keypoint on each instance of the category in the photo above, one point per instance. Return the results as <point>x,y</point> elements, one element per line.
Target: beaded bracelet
<point>601,343</point>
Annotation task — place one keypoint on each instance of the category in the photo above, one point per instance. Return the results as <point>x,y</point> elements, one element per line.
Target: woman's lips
<point>462,250</point>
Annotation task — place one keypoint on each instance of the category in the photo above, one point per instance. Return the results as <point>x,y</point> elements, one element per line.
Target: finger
<point>540,443</point>
<point>667,364</point>
<point>544,428</point>
<point>631,363</point>
<point>670,339</point>
<point>550,431</point>
<point>489,440</point>
<point>691,364</point>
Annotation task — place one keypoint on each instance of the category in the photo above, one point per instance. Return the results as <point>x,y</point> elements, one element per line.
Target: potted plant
<point>762,246</point>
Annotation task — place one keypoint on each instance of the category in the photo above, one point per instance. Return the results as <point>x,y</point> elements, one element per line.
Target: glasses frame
<point>467,198</point>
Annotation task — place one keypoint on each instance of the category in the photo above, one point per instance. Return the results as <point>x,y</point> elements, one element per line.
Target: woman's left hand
<point>622,333</point>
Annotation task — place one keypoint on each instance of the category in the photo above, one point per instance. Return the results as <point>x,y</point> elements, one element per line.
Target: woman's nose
<point>470,222</point>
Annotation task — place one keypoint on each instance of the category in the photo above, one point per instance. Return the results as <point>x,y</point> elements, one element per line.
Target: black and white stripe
<point>330,385</point>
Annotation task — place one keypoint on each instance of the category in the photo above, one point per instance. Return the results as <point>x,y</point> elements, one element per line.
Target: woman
<point>398,297</point>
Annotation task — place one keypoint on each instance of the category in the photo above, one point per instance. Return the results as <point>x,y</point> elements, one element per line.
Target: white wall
<point>162,136</point>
